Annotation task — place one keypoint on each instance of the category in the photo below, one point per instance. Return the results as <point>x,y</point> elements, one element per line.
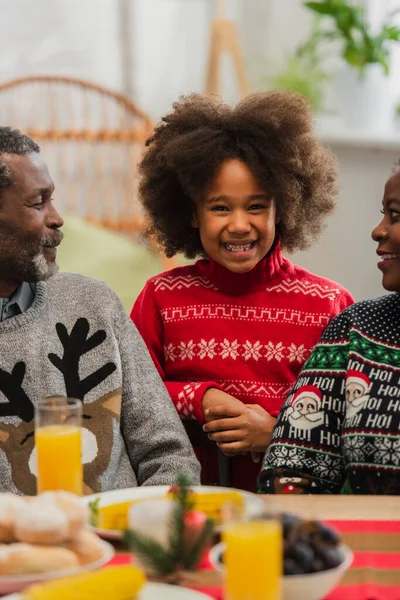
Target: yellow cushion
<point>98,252</point>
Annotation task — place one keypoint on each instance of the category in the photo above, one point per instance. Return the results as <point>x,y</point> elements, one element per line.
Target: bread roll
<point>76,512</point>
<point>87,546</point>
<point>24,559</point>
<point>41,522</point>
<point>10,506</point>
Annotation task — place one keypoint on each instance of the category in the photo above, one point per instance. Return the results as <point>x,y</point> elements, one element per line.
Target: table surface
<point>373,508</point>
<point>367,578</point>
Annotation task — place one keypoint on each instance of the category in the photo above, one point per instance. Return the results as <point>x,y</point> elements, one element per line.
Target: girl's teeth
<point>236,248</point>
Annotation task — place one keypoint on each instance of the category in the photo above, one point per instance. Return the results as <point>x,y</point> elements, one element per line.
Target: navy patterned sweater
<point>339,429</point>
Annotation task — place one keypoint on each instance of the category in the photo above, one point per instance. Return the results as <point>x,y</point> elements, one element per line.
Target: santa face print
<point>356,397</point>
<point>353,392</point>
<point>305,412</point>
<point>305,406</point>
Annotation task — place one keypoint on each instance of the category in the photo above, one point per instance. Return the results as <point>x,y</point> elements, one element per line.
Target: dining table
<point>369,525</point>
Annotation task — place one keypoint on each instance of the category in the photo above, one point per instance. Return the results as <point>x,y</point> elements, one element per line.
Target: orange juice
<point>59,458</point>
<point>253,560</point>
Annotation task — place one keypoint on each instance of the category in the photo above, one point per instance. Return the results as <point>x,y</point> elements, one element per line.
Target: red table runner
<point>375,572</point>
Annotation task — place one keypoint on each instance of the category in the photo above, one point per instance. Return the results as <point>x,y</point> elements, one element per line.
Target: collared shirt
<point>19,302</point>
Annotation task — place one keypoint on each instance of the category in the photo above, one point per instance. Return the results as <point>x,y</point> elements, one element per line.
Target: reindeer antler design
<point>19,404</point>
<point>75,345</point>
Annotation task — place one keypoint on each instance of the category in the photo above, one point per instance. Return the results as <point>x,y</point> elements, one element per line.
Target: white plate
<point>252,502</point>
<point>17,583</point>
<point>154,591</point>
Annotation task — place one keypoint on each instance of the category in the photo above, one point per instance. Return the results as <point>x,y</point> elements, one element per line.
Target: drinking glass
<point>58,439</point>
<point>253,557</point>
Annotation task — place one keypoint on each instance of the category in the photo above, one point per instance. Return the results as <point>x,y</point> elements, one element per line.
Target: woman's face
<point>387,234</point>
<point>236,219</point>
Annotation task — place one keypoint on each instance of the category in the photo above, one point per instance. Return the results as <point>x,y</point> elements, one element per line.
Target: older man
<point>68,335</point>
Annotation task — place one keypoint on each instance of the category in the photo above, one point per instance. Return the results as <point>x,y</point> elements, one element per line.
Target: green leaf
<point>94,509</point>
<point>390,32</point>
<point>322,8</point>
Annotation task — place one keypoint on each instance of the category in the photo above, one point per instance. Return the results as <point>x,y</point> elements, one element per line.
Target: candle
<point>253,560</point>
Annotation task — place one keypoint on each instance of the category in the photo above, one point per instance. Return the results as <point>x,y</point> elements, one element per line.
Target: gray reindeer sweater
<point>76,340</point>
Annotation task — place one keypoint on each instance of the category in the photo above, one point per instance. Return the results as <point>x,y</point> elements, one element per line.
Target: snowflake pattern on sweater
<point>352,379</point>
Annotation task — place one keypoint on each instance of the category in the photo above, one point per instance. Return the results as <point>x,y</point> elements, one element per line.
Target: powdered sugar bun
<point>87,546</point>
<point>24,559</point>
<point>41,522</point>
<point>10,506</point>
<point>76,512</point>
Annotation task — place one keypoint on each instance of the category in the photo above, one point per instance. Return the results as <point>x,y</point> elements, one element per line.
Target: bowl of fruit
<point>314,558</point>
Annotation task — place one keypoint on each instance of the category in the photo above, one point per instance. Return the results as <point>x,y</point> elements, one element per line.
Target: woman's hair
<point>270,132</point>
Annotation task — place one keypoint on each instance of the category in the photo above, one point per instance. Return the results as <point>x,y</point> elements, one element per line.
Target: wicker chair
<point>92,140</point>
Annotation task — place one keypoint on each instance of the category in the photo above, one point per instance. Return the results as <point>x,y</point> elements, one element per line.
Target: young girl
<point>230,333</point>
<point>353,446</point>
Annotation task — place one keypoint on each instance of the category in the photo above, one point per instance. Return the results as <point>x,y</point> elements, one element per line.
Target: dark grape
<point>331,557</point>
<point>304,555</point>
<point>288,523</point>
<point>309,546</point>
<point>327,535</point>
<point>291,567</point>
<point>318,565</point>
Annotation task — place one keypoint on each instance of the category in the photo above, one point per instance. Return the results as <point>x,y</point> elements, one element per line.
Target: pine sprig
<point>182,493</point>
<point>151,552</point>
<point>178,555</point>
<point>176,531</point>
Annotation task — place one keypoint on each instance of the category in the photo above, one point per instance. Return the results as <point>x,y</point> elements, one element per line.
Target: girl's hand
<point>239,428</point>
<point>227,404</point>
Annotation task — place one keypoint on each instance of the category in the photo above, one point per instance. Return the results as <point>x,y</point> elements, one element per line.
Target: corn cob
<point>112,583</point>
<point>115,516</point>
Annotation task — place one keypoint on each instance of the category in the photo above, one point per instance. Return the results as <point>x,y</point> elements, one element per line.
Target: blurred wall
<point>345,251</point>
<point>170,40</point>
<point>64,37</point>
<point>169,50</point>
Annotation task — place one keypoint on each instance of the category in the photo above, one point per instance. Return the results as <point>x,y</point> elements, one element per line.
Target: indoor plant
<point>366,55</point>
<point>303,71</point>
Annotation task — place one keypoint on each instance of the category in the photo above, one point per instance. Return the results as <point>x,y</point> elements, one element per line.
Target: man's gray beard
<point>44,270</point>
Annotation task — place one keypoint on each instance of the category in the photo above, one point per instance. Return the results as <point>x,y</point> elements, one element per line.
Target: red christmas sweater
<point>248,334</point>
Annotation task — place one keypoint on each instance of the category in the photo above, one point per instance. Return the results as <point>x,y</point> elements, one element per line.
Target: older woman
<point>339,429</point>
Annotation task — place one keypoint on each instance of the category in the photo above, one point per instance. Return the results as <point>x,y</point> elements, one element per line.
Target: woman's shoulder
<point>374,306</point>
<point>373,316</point>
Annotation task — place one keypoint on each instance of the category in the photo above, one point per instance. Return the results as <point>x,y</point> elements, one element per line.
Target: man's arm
<point>156,441</point>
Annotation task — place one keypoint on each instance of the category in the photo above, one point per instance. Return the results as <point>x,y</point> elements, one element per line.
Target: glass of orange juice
<point>253,558</point>
<point>58,439</point>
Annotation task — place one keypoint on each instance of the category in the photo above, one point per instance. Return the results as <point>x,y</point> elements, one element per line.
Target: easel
<point>224,38</point>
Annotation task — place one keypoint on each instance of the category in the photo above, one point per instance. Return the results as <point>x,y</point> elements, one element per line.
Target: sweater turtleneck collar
<point>237,283</point>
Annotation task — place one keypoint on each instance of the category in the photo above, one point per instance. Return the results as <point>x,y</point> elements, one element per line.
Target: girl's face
<point>236,219</point>
<point>387,234</point>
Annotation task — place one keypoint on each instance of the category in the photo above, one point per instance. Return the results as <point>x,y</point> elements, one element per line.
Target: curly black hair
<point>12,141</point>
<point>270,132</point>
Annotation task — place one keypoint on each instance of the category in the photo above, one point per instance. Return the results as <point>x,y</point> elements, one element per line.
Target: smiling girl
<point>230,333</point>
